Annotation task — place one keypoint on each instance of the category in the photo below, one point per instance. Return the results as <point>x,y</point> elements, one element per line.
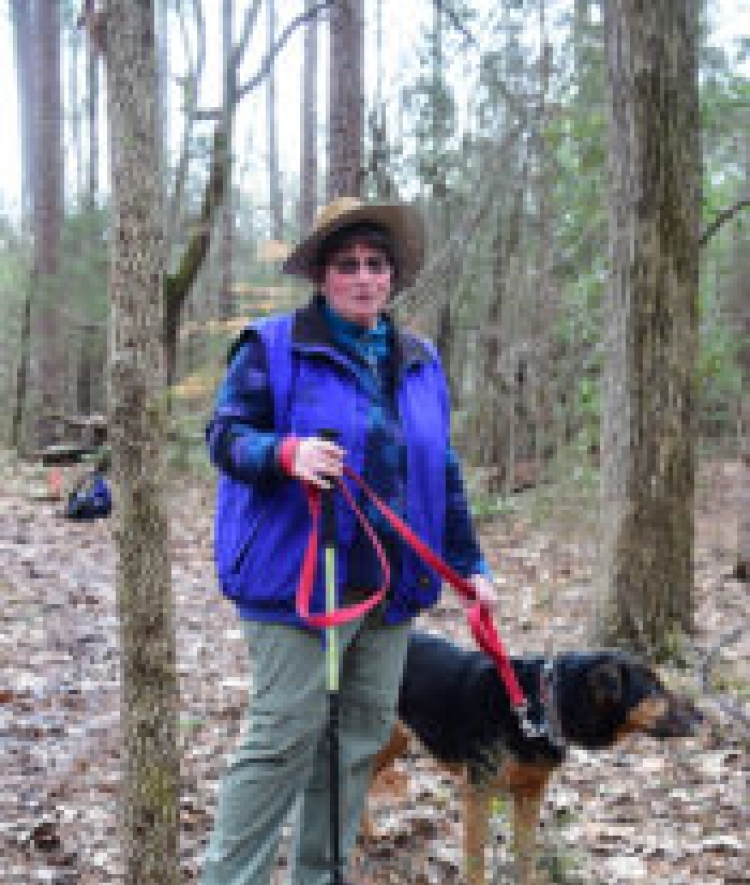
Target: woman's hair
<point>366,233</point>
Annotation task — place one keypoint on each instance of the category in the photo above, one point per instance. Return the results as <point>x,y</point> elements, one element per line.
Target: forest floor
<point>643,813</point>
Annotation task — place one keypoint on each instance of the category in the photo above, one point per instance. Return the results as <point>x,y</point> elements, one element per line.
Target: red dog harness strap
<point>479,617</point>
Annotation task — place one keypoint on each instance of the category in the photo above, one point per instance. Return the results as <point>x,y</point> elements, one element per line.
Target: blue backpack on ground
<point>91,501</point>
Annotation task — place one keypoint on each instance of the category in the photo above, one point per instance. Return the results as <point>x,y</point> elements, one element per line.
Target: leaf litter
<point>645,812</point>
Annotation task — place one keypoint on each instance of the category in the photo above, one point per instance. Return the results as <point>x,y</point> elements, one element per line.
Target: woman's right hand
<point>317,461</point>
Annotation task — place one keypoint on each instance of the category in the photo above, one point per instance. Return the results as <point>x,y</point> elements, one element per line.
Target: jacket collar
<point>310,330</point>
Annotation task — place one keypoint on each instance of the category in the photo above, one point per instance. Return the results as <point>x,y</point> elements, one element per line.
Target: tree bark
<point>740,311</point>
<point>274,173</point>
<point>500,416</point>
<point>309,159</point>
<point>346,100</point>
<point>22,374</point>
<point>742,566</point>
<point>149,693</point>
<point>21,14</point>
<point>47,367</point>
<point>440,208</point>
<point>226,299</point>
<point>380,157</point>
<point>92,109</point>
<point>75,114</point>
<point>177,286</point>
<point>162,77</point>
<point>649,398</point>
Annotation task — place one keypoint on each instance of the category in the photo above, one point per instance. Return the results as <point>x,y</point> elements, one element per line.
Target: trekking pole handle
<point>327,513</point>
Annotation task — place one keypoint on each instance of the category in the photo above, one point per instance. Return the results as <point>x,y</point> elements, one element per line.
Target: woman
<point>338,363</point>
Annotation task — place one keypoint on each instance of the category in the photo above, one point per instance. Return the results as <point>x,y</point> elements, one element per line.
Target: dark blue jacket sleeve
<point>462,551</point>
<point>241,438</point>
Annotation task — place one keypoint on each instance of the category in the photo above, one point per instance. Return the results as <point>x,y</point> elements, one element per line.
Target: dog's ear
<point>606,685</point>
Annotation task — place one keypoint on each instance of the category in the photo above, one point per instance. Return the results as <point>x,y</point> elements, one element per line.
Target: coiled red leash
<point>310,561</point>
<point>479,617</point>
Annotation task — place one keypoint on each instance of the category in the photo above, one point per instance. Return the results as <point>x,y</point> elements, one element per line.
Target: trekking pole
<point>328,538</point>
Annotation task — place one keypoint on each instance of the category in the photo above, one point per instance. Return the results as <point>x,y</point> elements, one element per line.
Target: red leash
<point>479,617</point>
<point>310,562</point>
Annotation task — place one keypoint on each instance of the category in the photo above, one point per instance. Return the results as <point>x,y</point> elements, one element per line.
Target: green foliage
<point>488,507</point>
<point>186,449</point>
<point>561,866</point>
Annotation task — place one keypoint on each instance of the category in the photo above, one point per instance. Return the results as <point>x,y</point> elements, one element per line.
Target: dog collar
<point>548,696</point>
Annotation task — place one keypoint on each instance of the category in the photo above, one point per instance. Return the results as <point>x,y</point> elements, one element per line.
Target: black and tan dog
<point>452,700</point>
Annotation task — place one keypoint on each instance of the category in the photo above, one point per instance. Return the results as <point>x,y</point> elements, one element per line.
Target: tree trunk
<point>540,392</point>
<point>740,310</point>
<point>309,159</point>
<point>22,374</point>
<point>162,78</point>
<point>47,367</point>
<point>21,13</point>
<point>742,566</point>
<point>648,427</point>
<point>177,286</point>
<point>274,173</point>
<point>75,113</point>
<point>444,323</point>
<point>92,108</point>
<point>226,299</point>
<point>92,357</point>
<point>346,100</point>
<point>380,160</point>
<point>500,411</point>
<point>149,700</point>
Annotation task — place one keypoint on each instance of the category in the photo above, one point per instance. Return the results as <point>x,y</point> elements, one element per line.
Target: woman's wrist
<point>286,452</point>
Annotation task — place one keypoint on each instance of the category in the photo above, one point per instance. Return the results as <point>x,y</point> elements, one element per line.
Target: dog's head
<point>604,696</point>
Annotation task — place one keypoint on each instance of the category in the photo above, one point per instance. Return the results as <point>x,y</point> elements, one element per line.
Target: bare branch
<point>235,58</point>
<point>200,26</point>
<point>195,67</point>
<point>265,67</point>
<point>723,216</point>
<point>184,33</point>
<point>422,292</point>
<point>179,283</point>
<point>452,16</point>
<point>205,114</point>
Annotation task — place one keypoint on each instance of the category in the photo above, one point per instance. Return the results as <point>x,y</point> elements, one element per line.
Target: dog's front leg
<point>396,745</point>
<point>476,825</point>
<point>527,804</point>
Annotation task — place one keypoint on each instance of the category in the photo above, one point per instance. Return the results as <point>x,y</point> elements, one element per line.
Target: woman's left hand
<point>485,589</point>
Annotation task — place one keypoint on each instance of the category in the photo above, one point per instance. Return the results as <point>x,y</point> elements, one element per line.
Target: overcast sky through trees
<point>404,23</point>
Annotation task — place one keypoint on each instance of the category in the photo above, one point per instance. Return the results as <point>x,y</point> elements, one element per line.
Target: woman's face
<point>357,283</point>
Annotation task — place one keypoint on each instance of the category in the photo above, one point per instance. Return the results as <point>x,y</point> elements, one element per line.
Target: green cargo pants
<point>283,754</point>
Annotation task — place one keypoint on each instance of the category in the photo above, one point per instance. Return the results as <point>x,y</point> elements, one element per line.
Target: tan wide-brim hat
<point>402,222</point>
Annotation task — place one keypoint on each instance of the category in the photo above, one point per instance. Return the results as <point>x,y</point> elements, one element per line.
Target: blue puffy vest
<point>260,536</point>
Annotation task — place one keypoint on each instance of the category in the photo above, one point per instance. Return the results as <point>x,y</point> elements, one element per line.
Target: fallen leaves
<point>647,812</point>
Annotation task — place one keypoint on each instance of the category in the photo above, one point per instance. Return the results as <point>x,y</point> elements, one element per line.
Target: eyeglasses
<point>350,266</point>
